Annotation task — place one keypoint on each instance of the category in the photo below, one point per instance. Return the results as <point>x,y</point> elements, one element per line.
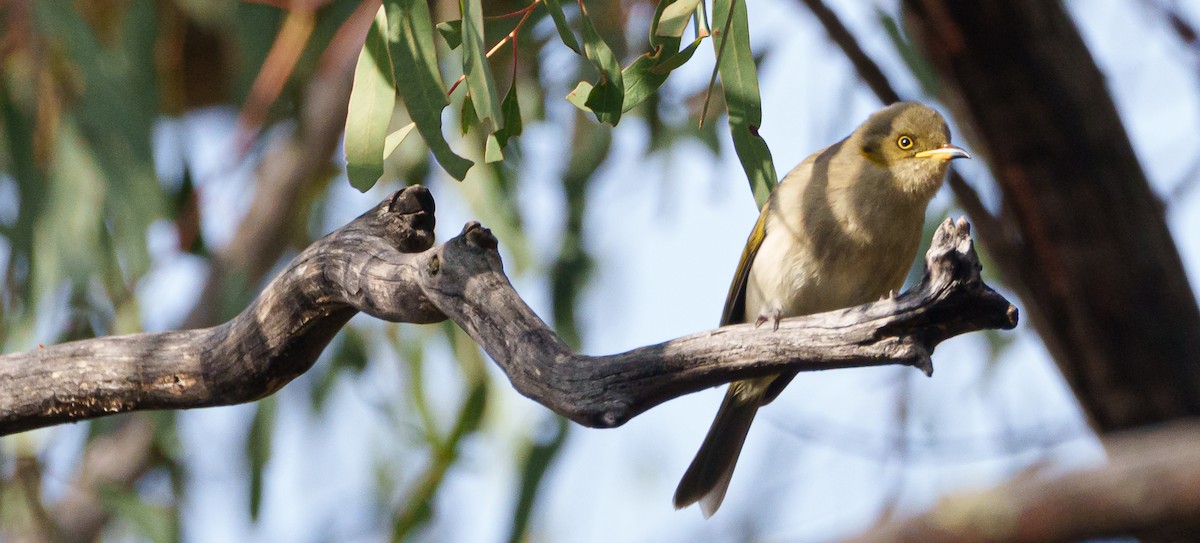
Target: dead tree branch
<point>1108,291</point>
<point>1147,490</point>
<point>383,264</point>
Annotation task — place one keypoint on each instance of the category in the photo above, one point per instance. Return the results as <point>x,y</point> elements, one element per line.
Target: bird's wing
<point>735,300</point>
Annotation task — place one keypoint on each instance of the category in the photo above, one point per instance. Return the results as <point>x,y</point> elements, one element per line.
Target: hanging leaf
<point>468,118</point>
<point>154,522</point>
<point>674,18</point>
<point>451,32</point>
<point>512,117</point>
<point>645,75</point>
<point>480,82</point>
<point>609,92</point>
<point>370,111</point>
<point>491,151</point>
<point>393,140</point>
<point>739,81</point>
<point>418,80</point>
<point>578,96</point>
<point>258,449</point>
<point>912,58</point>
<point>350,355</point>
<point>560,22</point>
<point>537,457</point>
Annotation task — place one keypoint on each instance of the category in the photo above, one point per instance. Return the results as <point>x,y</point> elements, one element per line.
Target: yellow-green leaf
<point>418,79</point>
<point>560,22</point>
<point>394,139</point>
<point>578,96</point>
<point>512,117</point>
<point>370,111</point>
<point>608,93</point>
<point>451,32</point>
<point>480,82</point>
<point>739,80</point>
<point>646,74</point>
<point>675,17</point>
<point>491,150</point>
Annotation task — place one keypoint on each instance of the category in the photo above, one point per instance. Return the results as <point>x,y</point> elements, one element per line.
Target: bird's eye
<point>905,142</point>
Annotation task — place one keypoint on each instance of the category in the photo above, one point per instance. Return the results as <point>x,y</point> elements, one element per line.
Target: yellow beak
<point>945,152</point>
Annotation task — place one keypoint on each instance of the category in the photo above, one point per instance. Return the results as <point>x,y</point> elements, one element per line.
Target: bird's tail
<point>706,480</point>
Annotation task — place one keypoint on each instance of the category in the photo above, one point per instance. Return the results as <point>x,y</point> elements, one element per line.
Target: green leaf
<point>468,118</point>
<point>537,458</point>
<point>113,121</point>
<point>675,17</point>
<point>491,151</point>
<point>609,92</point>
<point>739,81</point>
<point>480,82</point>
<point>394,139</point>
<point>451,31</point>
<point>512,117</point>
<point>370,111</point>
<point>915,61</point>
<point>258,449</point>
<point>640,82</point>
<point>68,234</point>
<point>445,449</point>
<point>349,355</point>
<point>578,95</point>
<point>418,81</point>
<point>645,75</point>
<point>560,22</point>
<point>678,59</point>
<point>155,522</point>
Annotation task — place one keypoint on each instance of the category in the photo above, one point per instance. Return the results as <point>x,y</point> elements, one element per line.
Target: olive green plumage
<point>841,230</point>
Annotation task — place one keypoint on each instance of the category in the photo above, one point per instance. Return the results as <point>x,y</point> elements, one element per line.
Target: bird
<point>840,230</point>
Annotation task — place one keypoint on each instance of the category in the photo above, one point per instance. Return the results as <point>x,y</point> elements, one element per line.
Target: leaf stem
<point>720,52</point>
<point>512,36</point>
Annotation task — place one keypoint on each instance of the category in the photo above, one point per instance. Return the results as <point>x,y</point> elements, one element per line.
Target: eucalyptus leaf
<point>511,108</point>
<point>644,76</point>
<point>480,82</point>
<point>258,449</point>
<point>578,96</point>
<point>369,113</point>
<point>492,151</point>
<point>418,79</point>
<point>468,118</point>
<point>112,121</point>
<point>739,81</point>
<point>560,22</point>
<point>451,32</point>
<point>917,64</point>
<point>393,140</point>
<point>674,19</point>
<point>154,522</point>
<point>608,93</point>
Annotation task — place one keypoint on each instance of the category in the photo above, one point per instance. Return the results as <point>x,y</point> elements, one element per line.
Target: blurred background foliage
<point>118,213</point>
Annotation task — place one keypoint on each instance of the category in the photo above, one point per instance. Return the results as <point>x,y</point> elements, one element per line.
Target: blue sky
<point>823,461</point>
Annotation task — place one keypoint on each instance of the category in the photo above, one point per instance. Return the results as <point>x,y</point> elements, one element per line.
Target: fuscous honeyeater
<point>840,230</point>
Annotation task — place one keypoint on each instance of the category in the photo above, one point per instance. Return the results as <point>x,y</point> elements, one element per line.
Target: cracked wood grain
<point>384,264</point>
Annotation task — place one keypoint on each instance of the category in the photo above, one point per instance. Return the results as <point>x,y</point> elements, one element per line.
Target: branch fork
<point>384,264</point>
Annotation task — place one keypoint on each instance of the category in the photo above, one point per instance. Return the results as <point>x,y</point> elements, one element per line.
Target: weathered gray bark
<point>1099,272</point>
<point>382,264</point>
<point>1148,489</point>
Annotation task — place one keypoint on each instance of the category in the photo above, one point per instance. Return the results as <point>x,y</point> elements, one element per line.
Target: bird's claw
<point>774,316</point>
<point>891,295</point>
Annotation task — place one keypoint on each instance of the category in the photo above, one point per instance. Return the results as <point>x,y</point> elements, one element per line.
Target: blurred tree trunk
<point>1105,285</point>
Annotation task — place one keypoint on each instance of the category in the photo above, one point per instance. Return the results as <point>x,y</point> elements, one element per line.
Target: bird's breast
<point>814,266</point>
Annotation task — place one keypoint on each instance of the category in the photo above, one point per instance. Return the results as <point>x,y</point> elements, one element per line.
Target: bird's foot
<point>774,315</point>
<point>891,295</point>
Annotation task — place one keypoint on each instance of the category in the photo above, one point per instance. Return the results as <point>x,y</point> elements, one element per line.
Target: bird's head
<point>912,141</point>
